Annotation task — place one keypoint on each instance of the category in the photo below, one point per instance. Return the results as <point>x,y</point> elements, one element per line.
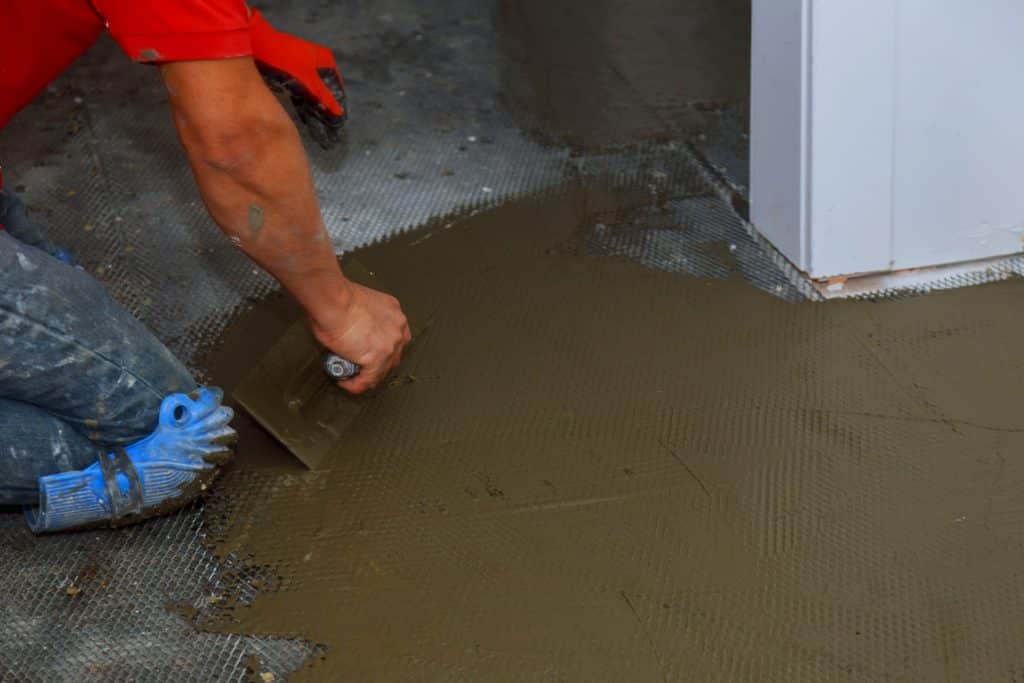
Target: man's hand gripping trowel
<point>292,392</point>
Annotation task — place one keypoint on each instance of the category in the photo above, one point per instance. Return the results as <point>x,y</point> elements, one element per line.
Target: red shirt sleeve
<point>177,30</point>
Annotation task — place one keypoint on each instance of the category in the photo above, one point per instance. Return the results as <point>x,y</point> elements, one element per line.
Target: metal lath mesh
<point>691,226</point>
<point>114,606</point>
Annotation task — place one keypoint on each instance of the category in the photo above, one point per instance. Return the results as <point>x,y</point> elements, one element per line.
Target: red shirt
<point>40,38</point>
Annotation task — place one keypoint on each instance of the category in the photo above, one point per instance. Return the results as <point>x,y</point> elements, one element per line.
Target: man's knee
<point>67,346</point>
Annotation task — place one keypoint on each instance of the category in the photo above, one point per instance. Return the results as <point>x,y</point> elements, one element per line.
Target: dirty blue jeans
<point>78,374</point>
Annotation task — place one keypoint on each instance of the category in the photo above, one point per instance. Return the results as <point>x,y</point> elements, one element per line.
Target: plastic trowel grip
<point>338,368</point>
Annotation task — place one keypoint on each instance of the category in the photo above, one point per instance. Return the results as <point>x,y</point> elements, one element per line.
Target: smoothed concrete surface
<point>591,470</point>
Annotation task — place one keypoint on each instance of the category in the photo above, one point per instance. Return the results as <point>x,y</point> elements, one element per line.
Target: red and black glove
<point>307,73</point>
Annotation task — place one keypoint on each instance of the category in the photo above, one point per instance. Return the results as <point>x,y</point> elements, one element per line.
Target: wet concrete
<point>590,470</point>
<point>620,71</point>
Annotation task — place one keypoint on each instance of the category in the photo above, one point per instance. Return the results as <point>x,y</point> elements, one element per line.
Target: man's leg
<point>38,40</point>
<point>14,219</point>
<point>33,444</point>
<point>68,348</point>
<point>73,361</point>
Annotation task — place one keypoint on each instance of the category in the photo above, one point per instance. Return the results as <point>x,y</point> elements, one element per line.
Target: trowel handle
<point>338,368</point>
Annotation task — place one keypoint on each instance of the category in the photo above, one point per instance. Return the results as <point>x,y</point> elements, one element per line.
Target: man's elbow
<point>227,118</point>
<point>235,145</point>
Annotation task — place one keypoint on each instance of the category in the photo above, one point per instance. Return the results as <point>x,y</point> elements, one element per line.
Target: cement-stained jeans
<point>78,373</point>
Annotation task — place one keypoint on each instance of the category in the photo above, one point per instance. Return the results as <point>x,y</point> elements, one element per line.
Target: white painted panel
<point>777,125</point>
<point>888,133</point>
<point>959,148</point>
<point>852,81</point>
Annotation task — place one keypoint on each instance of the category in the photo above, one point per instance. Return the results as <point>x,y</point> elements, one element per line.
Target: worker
<point>99,423</point>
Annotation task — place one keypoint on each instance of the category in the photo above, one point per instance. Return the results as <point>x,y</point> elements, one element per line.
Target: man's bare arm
<point>254,177</point>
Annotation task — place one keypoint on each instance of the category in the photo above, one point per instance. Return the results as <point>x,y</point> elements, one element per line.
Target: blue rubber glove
<point>153,476</point>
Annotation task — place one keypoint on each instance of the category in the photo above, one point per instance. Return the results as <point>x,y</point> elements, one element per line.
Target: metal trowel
<point>292,392</point>
<point>292,395</point>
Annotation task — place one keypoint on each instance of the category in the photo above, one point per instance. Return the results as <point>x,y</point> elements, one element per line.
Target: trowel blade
<point>292,397</point>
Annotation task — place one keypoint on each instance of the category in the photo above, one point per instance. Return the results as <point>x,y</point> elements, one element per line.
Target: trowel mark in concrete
<point>775,488</point>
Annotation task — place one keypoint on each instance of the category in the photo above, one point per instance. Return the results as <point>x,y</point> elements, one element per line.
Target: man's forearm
<point>253,175</point>
<point>255,179</point>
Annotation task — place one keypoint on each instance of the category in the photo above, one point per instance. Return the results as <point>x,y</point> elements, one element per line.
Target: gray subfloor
<point>430,135</point>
